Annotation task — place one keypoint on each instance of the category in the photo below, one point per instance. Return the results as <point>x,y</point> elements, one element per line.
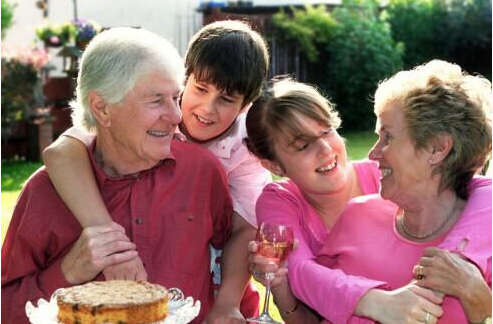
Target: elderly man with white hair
<point>169,197</point>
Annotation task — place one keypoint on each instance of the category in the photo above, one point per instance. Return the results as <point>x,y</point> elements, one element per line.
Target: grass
<point>358,144</point>
<point>15,173</point>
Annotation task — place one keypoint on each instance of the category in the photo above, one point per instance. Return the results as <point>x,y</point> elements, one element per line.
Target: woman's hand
<point>449,273</point>
<point>409,304</point>
<point>258,265</point>
<point>291,310</point>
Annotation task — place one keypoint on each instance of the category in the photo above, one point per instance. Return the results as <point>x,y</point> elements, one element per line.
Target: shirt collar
<point>224,147</point>
<point>102,177</point>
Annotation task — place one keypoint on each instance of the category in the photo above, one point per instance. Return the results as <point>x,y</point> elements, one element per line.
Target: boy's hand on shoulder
<point>224,314</point>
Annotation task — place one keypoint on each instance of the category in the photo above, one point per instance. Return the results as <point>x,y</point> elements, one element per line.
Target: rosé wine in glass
<point>275,243</point>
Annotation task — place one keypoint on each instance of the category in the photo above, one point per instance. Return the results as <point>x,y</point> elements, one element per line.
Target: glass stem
<point>267,297</point>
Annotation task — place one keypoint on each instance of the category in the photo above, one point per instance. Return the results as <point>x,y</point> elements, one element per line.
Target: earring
<point>430,161</point>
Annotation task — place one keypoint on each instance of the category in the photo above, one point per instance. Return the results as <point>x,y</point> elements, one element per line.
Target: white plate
<point>180,311</point>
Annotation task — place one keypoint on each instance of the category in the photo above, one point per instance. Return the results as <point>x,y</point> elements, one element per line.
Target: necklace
<point>420,237</point>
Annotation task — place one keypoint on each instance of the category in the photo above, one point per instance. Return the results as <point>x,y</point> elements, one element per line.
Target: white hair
<point>114,61</point>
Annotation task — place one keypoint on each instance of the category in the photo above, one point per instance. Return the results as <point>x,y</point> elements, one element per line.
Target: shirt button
<point>190,218</point>
<point>139,221</point>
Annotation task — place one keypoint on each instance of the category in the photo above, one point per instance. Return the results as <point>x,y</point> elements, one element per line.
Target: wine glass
<point>275,243</point>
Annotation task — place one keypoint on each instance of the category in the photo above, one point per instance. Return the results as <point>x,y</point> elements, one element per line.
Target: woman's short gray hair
<point>439,97</point>
<point>114,61</point>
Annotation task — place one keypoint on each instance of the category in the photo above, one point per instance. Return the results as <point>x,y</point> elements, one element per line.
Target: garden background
<point>344,47</point>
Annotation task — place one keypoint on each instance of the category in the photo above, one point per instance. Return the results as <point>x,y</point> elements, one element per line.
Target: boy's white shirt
<point>246,176</point>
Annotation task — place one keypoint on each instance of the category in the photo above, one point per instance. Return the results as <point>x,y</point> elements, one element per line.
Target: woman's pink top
<point>365,242</point>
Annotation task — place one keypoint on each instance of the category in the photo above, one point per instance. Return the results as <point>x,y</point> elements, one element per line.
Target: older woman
<point>433,136</point>
<point>307,149</point>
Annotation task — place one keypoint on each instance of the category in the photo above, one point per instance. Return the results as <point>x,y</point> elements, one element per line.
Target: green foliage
<point>16,172</point>
<point>20,83</point>
<point>350,50</point>
<point>310,29</point>
<point>56,34</point>
<point>454,30</point>
<point>7,16</point>
<point>363,53</point>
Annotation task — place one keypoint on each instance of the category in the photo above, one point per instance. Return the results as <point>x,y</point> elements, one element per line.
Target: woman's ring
<point>418,271</point>
<point>427,317</point>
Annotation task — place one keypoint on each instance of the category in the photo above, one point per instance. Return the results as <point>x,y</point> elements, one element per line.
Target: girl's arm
<point>317,286</point>
<point>70,171</point>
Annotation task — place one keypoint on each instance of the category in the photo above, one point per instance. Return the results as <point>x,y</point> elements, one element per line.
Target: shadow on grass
<point>16,172</point>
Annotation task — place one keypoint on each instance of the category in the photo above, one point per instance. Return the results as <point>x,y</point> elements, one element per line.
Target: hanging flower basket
<point>86,30</point>
<point>56,35</point>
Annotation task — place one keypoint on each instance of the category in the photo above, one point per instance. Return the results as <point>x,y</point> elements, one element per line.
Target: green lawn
<point>15,173</point>
<point>358,144</point>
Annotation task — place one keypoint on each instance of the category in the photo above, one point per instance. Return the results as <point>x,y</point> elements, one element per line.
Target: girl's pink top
<point>331,293</point>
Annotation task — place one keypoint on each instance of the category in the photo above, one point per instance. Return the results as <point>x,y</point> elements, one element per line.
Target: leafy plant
<point>453,30</point>
<point>310,29</point>
<point>21,84</point>
<point>7,16</point>
<point>362,53</point>
<point>350,50</point>
<point>56,34</point>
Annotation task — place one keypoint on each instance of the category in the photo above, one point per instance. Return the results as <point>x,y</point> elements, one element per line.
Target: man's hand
<point>96,248</point>
<point>224,314</point>
<point>128,270</point>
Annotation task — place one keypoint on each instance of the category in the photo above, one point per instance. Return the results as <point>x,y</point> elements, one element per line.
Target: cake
<point>114,301</point>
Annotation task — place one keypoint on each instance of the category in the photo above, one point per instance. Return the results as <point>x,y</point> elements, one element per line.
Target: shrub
<point>361,54</point>
<point>309,29</point>
<point>21,84</point>
<point>351,49</point>
<point>7,16</point>
<point>454,30</point>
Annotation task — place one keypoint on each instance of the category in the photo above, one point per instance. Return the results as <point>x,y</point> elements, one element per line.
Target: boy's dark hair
<point>230,55</point>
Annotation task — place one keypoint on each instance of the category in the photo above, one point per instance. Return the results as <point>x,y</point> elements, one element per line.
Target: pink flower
<point>27,55</point>
<point>54,40</point>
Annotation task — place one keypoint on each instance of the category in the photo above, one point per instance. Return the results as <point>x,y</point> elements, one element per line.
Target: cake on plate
<point>114,301</point>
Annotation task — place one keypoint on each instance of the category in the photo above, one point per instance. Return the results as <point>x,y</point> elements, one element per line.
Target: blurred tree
<point>362,53</point>
<point>350,50</point>
<point>310,29</point>
<point>7,16</point>
<point>454,30</point>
